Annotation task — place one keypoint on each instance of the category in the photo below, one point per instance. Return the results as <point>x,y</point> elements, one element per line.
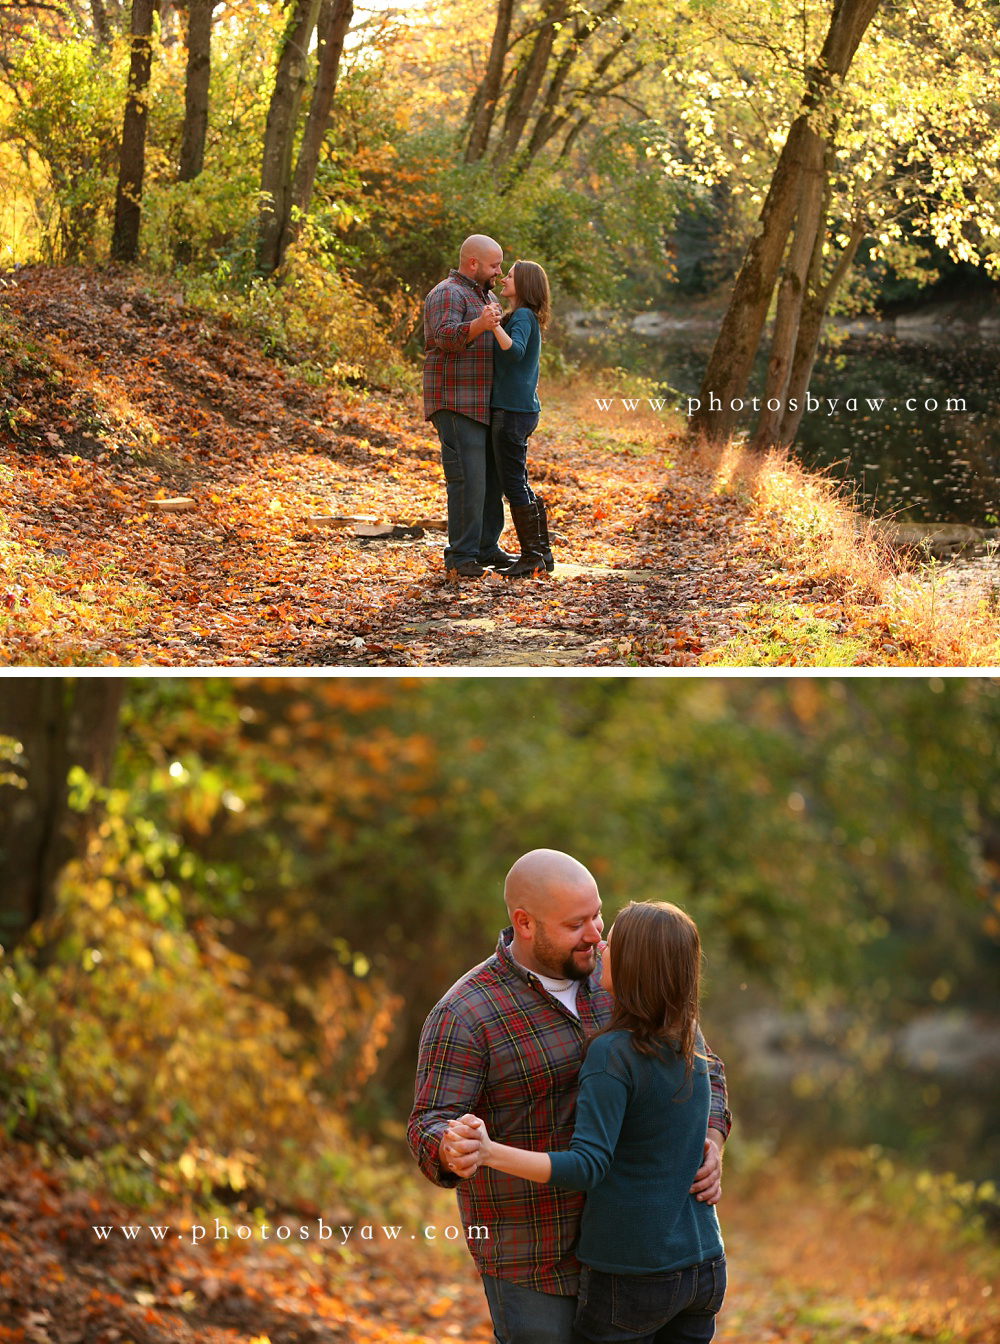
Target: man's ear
<point>524,924</point>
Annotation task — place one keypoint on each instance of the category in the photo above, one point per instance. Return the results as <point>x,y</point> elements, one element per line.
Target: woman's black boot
<point>543,535</point>
<point>527,525</point>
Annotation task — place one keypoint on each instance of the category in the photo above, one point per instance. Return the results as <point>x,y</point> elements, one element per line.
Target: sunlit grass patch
<point>614,412</point>
<point>787,636</point>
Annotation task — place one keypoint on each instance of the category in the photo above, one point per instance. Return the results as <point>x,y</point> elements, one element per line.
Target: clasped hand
<point>464,1145</point>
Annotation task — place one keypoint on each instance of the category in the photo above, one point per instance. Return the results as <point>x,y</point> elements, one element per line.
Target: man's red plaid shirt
<point>499,1045</point>
<point>457,376</point>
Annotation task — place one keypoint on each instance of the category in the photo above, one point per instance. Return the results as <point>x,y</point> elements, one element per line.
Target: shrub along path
<point>115,397</point>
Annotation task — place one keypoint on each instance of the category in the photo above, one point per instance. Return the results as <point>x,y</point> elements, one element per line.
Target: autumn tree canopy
<point>307,139</point>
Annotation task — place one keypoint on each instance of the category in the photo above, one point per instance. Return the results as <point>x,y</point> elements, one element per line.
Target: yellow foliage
<point>329,315</point>
<point>141,1037</point>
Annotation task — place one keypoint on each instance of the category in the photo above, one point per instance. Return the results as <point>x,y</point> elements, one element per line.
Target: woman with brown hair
<point>654,1268</point>
<point>514,410</point>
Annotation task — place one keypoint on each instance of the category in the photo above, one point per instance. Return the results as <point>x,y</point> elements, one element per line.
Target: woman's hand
<point>465,1145</point>
<point>488,320</point>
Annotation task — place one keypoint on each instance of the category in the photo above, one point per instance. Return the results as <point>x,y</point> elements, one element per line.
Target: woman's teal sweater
<point>515,371</point>
<point>637,1144</point>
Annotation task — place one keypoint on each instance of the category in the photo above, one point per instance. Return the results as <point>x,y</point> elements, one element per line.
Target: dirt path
<point>113,396</point>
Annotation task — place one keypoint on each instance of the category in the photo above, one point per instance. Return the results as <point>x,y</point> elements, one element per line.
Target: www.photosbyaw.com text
<point>318,1231</point>
<point>828,405</point>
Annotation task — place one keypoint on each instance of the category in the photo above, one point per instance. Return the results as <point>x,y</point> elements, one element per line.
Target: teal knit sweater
<point>635,1149</point>
<point>515,371</point>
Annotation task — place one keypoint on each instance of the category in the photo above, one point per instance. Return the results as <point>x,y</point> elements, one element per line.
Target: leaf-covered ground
<point>113,395</point>
<point>803,1269</point>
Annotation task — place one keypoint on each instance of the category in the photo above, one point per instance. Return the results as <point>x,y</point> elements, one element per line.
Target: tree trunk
<point>550,120</point>
<point>529,80</point>
<point>484,103</point>
<point>814,309</point>
<point>810,223</point>
<point>731,359</point>
<point>102,29</point>
<point>199,71</point>
<point>59,723</point>
<point>335,20</point>
<point>279,135</point>
<point>128,200</point>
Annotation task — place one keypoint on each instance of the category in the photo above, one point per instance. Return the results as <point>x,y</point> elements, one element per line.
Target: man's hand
<point>707,1186</point>
<point>462,1146</point>
<point>486,321</point>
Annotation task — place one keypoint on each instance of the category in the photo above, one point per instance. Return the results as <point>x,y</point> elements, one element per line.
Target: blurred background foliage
<point>264,884</point>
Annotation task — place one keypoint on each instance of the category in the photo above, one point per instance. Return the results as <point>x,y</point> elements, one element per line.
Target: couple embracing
<point>590,1187</point>
<point>480,393</point>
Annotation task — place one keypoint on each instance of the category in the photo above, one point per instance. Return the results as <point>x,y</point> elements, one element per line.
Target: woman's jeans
<point>510,431</point>
<point>677,1308</point>
<point>475,504</point>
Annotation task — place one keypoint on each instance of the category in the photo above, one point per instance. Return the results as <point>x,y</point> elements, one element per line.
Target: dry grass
<point>810,1264</point>
<point>805,520</point>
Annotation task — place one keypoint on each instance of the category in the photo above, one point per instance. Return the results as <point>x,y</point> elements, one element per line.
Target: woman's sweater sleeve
<point>600,1110</point>
<point>519,331</point>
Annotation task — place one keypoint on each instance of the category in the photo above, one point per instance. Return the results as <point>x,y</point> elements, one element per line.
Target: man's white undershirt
<point>563,990</point>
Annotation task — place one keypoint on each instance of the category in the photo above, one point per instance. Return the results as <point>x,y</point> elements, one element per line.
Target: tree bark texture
<point>729,366</point>
<point>529,79</point>
<point>58,722</point>
<point>810,222</point>
<point>199,72</point>
<point>128,199</point>
<point>279,134</point>
<point>817,301</point>
<point>334,22</point>
<point>484,104</point>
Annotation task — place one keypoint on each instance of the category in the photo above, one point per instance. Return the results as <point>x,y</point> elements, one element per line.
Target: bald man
<point>460,315</point>
<point>505,1043</point>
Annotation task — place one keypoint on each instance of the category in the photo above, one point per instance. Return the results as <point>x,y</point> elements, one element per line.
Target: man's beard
<point>547,956</point>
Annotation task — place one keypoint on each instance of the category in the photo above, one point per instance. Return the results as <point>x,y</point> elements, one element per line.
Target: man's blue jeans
<point>676,1308</point>
<point>475,500</point>
<point>522,1315</point>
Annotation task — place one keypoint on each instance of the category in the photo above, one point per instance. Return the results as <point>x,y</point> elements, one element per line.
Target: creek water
<point>909,423</point>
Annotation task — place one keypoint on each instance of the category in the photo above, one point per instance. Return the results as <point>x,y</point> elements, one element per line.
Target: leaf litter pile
<point>161,480</point>
<point>805,1267</point>
<point>63,1283</point>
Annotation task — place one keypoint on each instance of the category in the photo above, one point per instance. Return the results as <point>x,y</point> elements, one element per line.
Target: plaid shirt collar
<point>506,959</point>
<point>480,291</point>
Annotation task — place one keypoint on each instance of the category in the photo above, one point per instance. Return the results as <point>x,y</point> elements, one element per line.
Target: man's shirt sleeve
<point>719,1116</point>
<point>451,1071</point>
<point>445,320</point>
